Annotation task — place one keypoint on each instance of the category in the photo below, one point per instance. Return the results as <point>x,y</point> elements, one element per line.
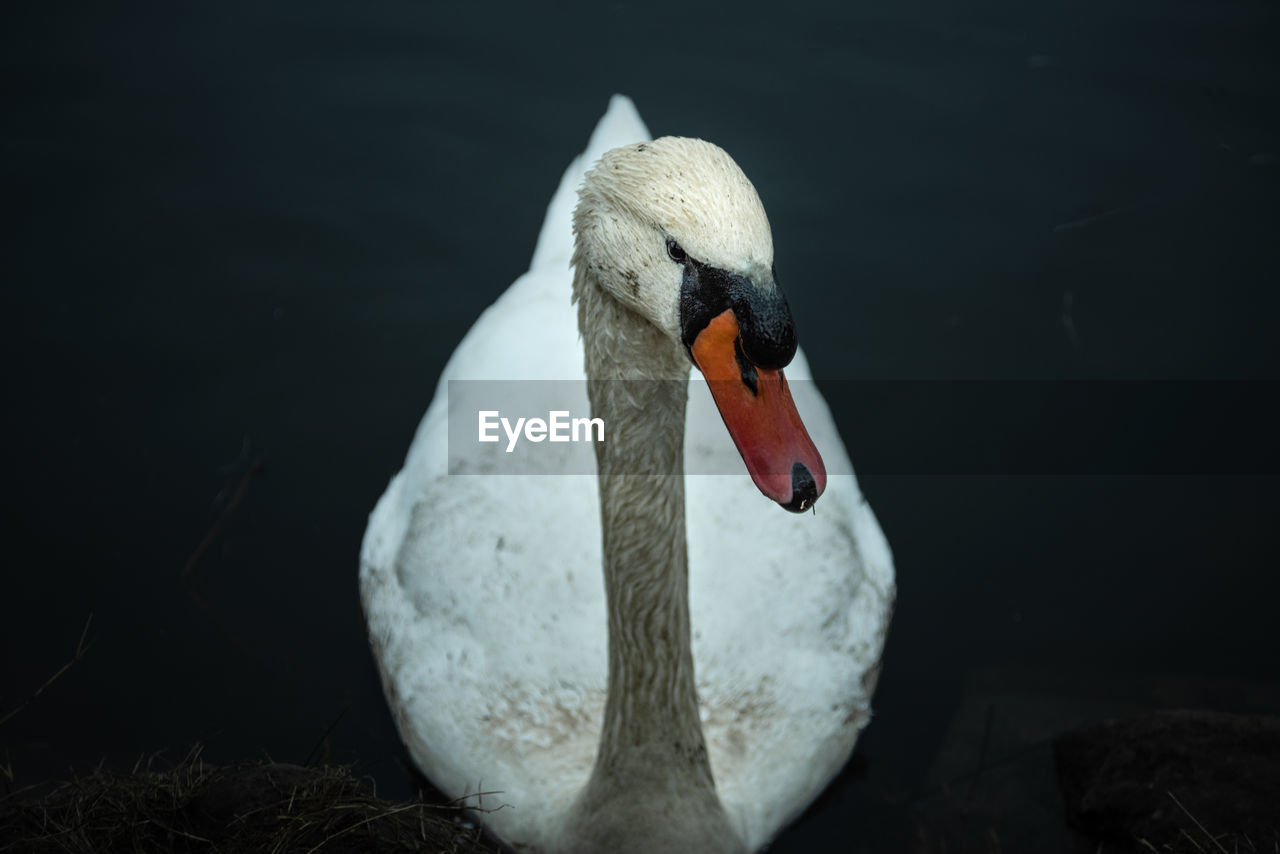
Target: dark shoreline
<point>1168,781</point>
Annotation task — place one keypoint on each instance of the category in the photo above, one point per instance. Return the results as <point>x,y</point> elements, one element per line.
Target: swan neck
<point>638,383</point>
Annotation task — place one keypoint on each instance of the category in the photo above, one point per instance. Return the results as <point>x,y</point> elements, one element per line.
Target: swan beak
<point>756,406</point>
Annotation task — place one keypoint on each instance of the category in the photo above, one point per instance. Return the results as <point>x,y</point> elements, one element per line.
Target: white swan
<point>501,655</point>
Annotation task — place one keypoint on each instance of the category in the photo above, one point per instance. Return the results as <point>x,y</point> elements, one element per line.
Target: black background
<point>243,238</point>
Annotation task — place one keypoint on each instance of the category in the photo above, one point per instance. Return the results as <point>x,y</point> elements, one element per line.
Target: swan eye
<point>677,254</point>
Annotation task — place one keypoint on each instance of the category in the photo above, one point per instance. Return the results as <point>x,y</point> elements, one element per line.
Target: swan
<point>717,680</point>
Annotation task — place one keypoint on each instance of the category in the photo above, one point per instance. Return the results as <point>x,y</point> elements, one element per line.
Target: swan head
<point>673,230</point>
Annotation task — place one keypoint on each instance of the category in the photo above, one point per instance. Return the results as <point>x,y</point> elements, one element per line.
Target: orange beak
<point>761,417</point>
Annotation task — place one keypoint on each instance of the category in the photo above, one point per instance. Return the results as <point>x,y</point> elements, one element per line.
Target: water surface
<point>243,239</point>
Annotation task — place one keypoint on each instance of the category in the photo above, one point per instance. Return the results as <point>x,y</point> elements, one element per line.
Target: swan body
<point>620,716</point>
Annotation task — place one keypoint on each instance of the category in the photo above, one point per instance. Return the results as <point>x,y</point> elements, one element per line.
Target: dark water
<point>242,240</point>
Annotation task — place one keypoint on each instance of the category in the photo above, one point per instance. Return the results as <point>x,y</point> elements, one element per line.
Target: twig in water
<point>324,736</point>
<point>81,649</point>
<point>188,571</point>
<point>258,467</point>
<point>1098,217</point>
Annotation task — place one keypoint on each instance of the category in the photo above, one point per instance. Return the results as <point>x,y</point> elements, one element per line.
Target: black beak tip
<point>804,490</point>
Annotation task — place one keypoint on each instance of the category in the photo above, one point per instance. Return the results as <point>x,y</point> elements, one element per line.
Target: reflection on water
<point>244,239</point>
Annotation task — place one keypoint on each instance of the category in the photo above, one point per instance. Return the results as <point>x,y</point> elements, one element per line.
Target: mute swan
<point>591,716</point>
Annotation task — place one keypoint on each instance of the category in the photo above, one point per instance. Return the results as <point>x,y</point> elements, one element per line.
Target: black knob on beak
<point>764,318</point>
<point>764,322</point>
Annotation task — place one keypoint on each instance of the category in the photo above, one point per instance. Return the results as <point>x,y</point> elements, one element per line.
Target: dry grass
<point>247,807</point>
<point>1198,839</point>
